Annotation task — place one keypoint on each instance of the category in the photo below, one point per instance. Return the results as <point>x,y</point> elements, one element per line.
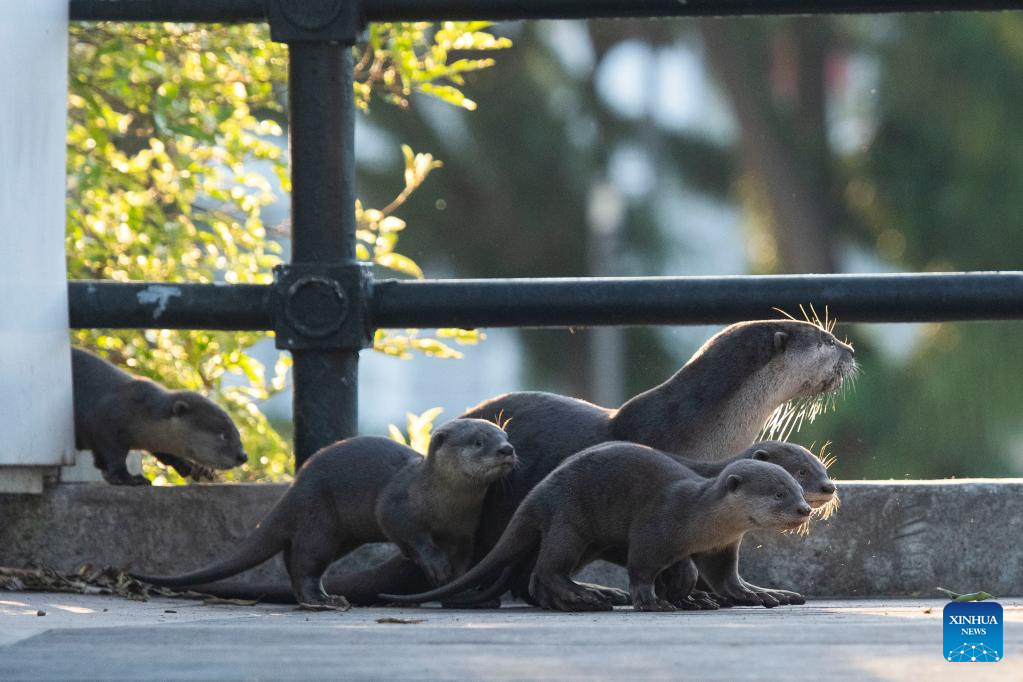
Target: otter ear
<point>180,408</point>
<point>761,455</point>
<point>437,440</point>
<point>732,483</point>
<point>780,339</point>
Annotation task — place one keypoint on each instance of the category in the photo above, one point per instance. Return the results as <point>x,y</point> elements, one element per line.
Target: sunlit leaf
<point>399,263</point>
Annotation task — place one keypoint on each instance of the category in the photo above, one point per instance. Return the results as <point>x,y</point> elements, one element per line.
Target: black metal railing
<point>324,305</point>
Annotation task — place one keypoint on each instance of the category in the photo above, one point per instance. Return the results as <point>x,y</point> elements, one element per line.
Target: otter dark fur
<point>818,490</point>
<point>632,500</point>
<point>116,412</point>
<point>715,405</point>
<point>371,489</point>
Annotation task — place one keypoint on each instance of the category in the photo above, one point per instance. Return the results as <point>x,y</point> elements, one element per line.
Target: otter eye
<point>780,495</point>
<point>223,436</point>
<point>479,442</point>
<point>802,473</point>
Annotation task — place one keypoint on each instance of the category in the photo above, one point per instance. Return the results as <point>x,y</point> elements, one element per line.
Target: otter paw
<point>748,598</point>
<point>654,604</point>
<point>784,597</point>
<point>580,600</point>
<point>613,595</point>
<point>557,599</point>
<point>584,602</point>
<point>723,601</point>
<point>202,473</point>
<point>685,604</point>
<point>330,602</point>
<point>703,601</point>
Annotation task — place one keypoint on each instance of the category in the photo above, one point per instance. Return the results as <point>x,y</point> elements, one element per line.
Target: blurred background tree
<point>175,135</point>
<point>775,145</point>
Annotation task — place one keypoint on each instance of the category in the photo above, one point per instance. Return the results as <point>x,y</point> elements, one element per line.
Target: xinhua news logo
<point>972,632</point>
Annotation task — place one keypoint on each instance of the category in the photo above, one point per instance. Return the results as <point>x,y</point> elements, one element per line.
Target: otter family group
<point>525,489</point>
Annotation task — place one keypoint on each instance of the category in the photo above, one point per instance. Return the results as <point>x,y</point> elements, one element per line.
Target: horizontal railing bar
<point>218,11</point>
<point>165,305</point>
<point>920,297</point>
<point>435,10</point>
<point>570,302</point>
<point>233,11</point>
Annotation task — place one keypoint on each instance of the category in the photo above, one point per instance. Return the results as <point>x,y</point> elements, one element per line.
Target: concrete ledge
<point>27,480</point>
<point>887,539</point>
<point>151,530</point>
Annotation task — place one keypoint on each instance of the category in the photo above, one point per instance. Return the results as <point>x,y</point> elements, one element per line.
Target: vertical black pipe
<point>322,123</point>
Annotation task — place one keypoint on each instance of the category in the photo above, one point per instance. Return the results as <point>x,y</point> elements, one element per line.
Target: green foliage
<point>172,132</point>
<point>418,427</point>
<point>399,59</point>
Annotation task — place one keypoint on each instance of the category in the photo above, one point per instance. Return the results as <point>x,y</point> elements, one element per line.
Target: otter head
<point>199,430</point>
<point>759,378</point>
<point>810,472</point>
<point>765,495</point>
<point>473,448</point>
<point>810,360</point>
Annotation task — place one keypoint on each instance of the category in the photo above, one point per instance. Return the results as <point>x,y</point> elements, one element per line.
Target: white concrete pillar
<point>36,424</point>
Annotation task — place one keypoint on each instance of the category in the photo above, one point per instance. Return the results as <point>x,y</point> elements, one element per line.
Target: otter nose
<point>506,450</point>
<point>804,509</point>
<point>242,458</point>
<point>827,488</point>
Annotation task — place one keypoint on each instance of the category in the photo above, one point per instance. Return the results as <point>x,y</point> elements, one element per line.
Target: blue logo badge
<point>973,632</point>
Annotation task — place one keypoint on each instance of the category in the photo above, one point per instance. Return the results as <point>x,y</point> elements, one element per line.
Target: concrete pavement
<point>96,637</point>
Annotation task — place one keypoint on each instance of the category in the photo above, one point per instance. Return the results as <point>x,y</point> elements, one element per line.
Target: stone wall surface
<point>887,539</point>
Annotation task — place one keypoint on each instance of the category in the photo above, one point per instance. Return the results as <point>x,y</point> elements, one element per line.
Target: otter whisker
<point>799,419</point>
<point>789,417</point>
<point>823,456</point>
<point>777,309</point>
<point>828,509</point>
<point>805,315</point>
<point>816,318</point>
<point>500,421</point>
<point>811,316</point>
<point>771,424</point>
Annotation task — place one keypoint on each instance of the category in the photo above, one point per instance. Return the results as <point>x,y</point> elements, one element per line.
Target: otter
<point>116,412</point>
<point>716,404</point>
<point>373,489</point>
<point>809,470</point>
<point>636,502</point>
<point>721,567</point>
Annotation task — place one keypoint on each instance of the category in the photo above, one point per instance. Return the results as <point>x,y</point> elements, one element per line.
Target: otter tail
<point>521,535</point>
<point>268,539</point>
<point>493,592</point>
